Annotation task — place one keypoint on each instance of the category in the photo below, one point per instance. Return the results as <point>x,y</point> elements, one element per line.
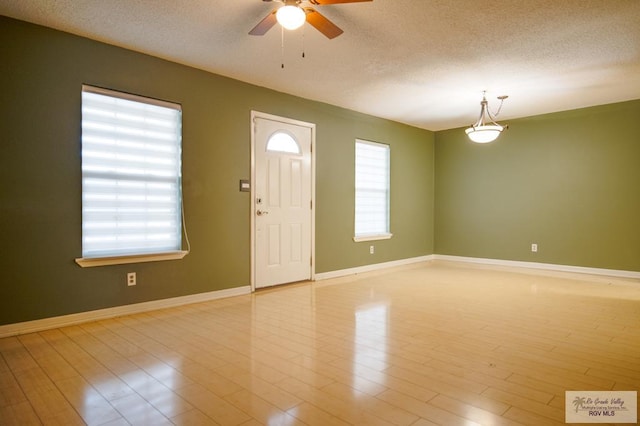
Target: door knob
<point>261,212</point>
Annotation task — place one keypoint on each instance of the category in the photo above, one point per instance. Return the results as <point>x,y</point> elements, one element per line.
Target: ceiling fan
<point>299,15</point>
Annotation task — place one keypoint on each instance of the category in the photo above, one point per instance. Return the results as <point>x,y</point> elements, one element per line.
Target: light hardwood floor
<point>432,343</point>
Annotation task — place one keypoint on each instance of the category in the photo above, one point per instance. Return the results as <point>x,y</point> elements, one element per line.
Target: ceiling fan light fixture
<point>290,17</point>
<point>486,129</point>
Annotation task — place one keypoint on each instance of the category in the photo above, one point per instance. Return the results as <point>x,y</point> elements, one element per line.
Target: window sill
<point>89,262</point>
<point>372,237</point>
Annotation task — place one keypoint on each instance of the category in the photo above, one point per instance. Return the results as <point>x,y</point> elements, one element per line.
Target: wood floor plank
<point>47,358</point>
<point>261,410</point>
<point>471,412</point>
<point>214,407</point>
<point>270,392</point>
<point>10,391</point>
<point>531,418</point>
<point>424,410</point>
<point>20,413</point>
<point>359,378</point>
<point>87,402</point>
<point>194,417</point>
<point>367,409</point>
<point>138,411</point>
<point>524,403</point>
<point>314,416</point>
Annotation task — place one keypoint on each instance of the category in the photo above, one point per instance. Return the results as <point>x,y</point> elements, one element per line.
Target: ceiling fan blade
<point>322,24</point>
<point>322,2</point>
<point>265,25</point>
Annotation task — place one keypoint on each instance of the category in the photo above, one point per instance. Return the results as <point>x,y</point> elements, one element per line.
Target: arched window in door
<point>281,141</point>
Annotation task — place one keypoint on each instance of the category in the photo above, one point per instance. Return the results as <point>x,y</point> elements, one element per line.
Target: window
<point>131,177</point>
<point>283,142</point>
<point>372,191</point>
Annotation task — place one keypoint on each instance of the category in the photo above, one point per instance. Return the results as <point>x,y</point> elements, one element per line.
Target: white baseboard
<point>72,319</point>
<point>369,268</point>
<point>481,261</point>
<point>100,314</point>
<point>544,266</point>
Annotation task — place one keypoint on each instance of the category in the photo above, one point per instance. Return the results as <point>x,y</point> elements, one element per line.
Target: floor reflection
<point>370,343</point>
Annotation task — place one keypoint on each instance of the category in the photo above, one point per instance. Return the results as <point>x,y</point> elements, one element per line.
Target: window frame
<point>377,235</point>
<point>101,259</point>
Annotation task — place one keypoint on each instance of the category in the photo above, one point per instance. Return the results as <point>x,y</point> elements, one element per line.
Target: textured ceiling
<point>421,62</point>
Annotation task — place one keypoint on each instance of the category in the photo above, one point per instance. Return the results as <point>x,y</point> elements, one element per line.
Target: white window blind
<point>372,190</point>
<point>131,174</point>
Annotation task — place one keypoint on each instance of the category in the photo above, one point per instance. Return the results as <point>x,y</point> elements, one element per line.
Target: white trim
<point>89,262</point>
<point>100,314</point>
<point>536,265</point>
<point>372,237</point>
<point>130,97</point>
<point>82,317</point>
<point>481,261</point>
<point>372,267</point>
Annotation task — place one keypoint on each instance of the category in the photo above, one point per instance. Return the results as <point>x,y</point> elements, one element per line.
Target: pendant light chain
<point>502,98</point>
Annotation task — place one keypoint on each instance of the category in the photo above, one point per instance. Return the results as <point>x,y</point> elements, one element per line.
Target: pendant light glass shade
<point>484,134</point>
<point>290,17</point>
<point>486,129</point>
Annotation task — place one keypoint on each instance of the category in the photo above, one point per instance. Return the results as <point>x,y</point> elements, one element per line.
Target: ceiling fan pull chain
<point>282,46</point>
<point>303,41</point>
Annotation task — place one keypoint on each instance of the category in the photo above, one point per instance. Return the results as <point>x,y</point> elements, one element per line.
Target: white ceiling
<point>421,62</point>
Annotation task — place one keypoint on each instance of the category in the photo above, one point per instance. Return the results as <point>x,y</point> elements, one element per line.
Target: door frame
<point>312,128</point>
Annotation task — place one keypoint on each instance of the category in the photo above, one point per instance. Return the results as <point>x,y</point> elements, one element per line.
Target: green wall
<point>568,181</point>
<point>41,74</point>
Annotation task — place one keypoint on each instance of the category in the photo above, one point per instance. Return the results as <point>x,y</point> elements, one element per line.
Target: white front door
<point>282,200</point>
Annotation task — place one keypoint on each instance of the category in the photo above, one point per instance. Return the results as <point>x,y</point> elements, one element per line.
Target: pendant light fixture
<point>291,16</point>
<point>486,129</point>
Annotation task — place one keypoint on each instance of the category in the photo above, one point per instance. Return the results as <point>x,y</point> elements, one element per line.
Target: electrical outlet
<point>131,278</point>
<point>534,247</point>
<point>371,250</point>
